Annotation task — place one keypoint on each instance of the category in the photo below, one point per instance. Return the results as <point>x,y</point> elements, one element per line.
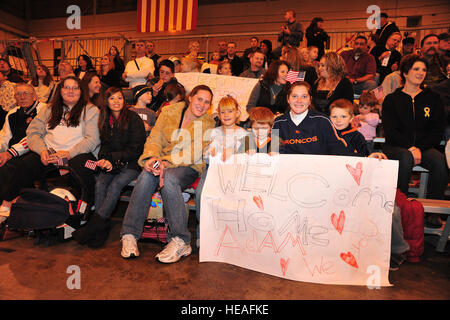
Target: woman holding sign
<point>302,130</point>
<point>65,132</point>
<point>172,161</point>
<point>122,136</point>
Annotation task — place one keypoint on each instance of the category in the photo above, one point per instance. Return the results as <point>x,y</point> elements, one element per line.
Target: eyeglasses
<point>71,88</point>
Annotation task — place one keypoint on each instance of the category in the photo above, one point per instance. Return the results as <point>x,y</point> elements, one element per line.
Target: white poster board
<point>238,87</point>
<point>322,219</point>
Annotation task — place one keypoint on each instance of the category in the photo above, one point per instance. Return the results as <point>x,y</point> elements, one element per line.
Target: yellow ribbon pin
<point>427,111</point>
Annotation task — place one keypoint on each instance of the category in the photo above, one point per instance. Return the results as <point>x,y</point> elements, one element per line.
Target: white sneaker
<point>4,211</point>
<point>174,251</point>
<point>129,247</point>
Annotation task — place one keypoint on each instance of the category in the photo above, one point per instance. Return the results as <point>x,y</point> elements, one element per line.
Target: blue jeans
<point>398,243</point>
<point>175,181</point>
<point>108,189</point>
<point>198,195</point>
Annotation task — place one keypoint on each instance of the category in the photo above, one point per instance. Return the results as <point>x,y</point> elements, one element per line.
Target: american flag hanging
<point>294,76</point>
<point>90,164</point>
<point>166,15</point>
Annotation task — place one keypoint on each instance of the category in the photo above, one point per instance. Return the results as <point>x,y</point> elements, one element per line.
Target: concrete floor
<point>36,272</point>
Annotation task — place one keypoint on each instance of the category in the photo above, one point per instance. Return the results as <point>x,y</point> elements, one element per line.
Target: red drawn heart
<point>349,258</point>
<point>259,203</point>
<point>338,223</point>
<point>356,173</point>
<point>284,265</point>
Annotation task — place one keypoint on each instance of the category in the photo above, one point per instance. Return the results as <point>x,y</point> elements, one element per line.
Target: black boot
<point>101,235</point>
<point>89,230</point>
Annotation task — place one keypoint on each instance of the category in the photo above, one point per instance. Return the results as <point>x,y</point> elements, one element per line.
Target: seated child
<point>341,115</point>
<point>215,57</point>
<point>259,140</point>
<point>173,93</point>
<point>143,96</point>
<point>367,120</point>
<point>224,142</point>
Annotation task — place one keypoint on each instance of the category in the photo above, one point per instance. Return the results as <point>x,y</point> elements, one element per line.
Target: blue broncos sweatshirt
<point>314,135</point>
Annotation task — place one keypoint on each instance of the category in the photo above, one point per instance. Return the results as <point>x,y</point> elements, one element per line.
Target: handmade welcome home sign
<point>238,87</point>
<point>323,219</point>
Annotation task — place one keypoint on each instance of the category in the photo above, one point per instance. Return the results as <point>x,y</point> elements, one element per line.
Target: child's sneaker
<point>174,251</point>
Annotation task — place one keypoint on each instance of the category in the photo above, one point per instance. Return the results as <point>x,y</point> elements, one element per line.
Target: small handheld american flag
<point>379,93</point>
<point>90,164</point>
<point>294,76</point>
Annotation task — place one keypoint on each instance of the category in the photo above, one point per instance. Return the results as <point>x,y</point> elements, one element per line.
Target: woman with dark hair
<point>64,132</point>
<point>414,122</point>
<point>266,48</point>
<point>316,36</point>
<point>172,160</point>
<point>43,83</point>
<point>118,62</point>
<point>92,88</point>
<point>271,90</point>
<point>332,83</point>
<point>109,76</point>
<point>122,137</point>
<point>84,66</point>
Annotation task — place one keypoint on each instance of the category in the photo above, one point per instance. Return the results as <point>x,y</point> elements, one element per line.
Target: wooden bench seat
<point>440,207</point>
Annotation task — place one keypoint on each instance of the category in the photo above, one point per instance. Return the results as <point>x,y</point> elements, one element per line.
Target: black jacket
<point>395,57</point>
<point>343,90</point>
<point>356,143</point>
<point>159,99</point>
<point>419,122</point>
<point>317,37</point>
<point>264,100</point>
<point>123,146</point>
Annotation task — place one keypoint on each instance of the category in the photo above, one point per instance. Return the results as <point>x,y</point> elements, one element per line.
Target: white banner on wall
<point>322,219</point>
<point>237,87</point>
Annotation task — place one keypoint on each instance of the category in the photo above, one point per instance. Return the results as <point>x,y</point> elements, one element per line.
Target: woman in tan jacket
<point>172,160</point>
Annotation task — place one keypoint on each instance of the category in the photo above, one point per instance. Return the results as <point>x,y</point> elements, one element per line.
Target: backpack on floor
<point>44,215</point>
<point>412,213</point>
<point>156,230</point>
<point>49,214</point>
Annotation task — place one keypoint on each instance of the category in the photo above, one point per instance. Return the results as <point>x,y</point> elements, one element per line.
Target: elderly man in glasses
<point>13,142</point>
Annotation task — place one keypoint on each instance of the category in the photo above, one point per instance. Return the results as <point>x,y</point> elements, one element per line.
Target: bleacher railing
<point>24,54</point>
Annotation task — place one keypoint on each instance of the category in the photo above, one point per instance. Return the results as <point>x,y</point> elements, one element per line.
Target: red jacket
<point>412,213</point>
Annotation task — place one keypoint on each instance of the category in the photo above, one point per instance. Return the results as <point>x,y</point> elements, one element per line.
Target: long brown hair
<point>105,111</point>
<point>271,75</point>
<point>57,106</point>
<point>47,80</point>
<point>97,98</point>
